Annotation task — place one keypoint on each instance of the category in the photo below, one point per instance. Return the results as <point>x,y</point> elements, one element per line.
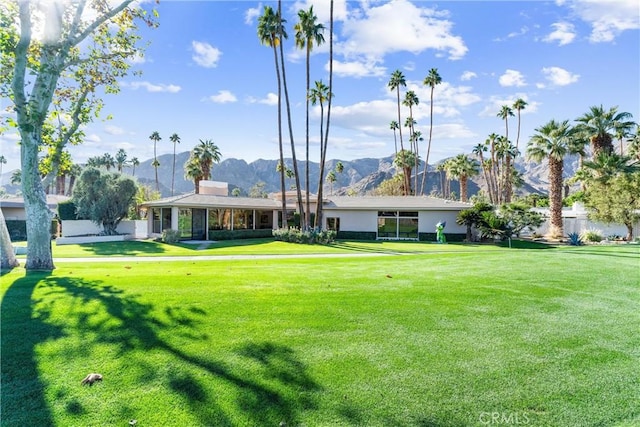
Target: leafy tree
<point>176,140</point>
<point>155,137</point>
<point>144,194</point>
<point>432,80</point>
<point>520,217</point>
<point>105,198</point>
<point>86,47</point>
<point>472,217</point>
<point>393,186</point>
<point>236,192</point>
<point>258,191</point>
<point>308,34</point>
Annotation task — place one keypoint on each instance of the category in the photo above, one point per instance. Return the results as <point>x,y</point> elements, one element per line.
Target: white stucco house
<point>211,215</point>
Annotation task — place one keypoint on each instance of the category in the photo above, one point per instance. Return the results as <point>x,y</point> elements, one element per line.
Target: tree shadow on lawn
<point>124,248</point>
<point>276,388</point>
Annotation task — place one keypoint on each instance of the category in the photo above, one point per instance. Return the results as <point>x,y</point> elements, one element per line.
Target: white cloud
<point>356,69</point>
<point>468,75</point>
<point>92,137</point>
<point>113,130</point>
<point>397,26</point>
<point>252,13</point>
<point>137,59</point>
<point>512,78</point>
<point>271,99</point>
<point>223,97</point>
<point>150,87</point>
<point>495,103</point>
<point>205,55</point>
<point>563,33</point>
<point>608,19</point>
<point>559,77</point>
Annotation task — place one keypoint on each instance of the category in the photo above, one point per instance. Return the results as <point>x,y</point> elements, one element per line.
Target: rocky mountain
<point>360,176</point>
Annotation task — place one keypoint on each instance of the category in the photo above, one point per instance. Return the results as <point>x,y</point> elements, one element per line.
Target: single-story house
<point>209,216</point>
<point>13,208</point>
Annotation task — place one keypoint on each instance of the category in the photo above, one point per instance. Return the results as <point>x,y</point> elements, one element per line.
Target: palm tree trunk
<point>280,146</point>
<point>319,219</point>
<point>173,172</point>
<point>555,197</point>
<point>426,161</point>
<point>463,188</point>
<point>307,211</point>
<point>290,125</point>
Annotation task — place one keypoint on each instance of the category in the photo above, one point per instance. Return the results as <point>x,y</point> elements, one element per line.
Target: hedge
<point>239,234</point>
<point>18,229</point>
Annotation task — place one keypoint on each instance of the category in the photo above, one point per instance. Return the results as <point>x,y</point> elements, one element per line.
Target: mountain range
<point>359,176</point>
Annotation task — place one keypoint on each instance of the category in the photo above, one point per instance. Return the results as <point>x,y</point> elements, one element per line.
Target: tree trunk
<point>555,197</point>
<point>7,256</point>
<point>463,189</point>
<point>629,237</point>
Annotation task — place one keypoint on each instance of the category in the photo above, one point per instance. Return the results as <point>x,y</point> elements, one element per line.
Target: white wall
<point>354,220</point>
<point>427,221</point>
<point>137,229</point>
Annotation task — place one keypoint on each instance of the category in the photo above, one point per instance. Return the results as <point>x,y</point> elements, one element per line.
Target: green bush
<point>238,234</point>
<point>356,235</point>
<point>18,229</point>
<point>309,237</point>
<point>592,235</point>
<point>67,211</point>
<point>170,236</point>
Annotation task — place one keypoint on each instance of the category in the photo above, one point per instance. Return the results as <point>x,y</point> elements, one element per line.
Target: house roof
<point>390,202</point>
<point>210,200</point>
<point>18,202</point>
<point>334,202</point>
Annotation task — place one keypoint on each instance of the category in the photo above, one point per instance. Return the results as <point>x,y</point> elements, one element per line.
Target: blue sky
<point>206,76</point>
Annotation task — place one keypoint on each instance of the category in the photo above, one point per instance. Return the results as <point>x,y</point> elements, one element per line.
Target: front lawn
<point>446,337</point>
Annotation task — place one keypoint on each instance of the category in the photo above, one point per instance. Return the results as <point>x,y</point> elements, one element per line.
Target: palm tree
<point>504,113</point>
<point>405,160</point>
<point>339,167</point>
<point>283,35</point>
<point>462,168</point>
<point>331,178</point>
<point>397,80</point>
<point>319,223</point>
<point>479,151</point>
<point>432,80</point>
<point>155,137</point>
<point>308,32</point>
<point>411,99</point>
<point>206,153</point>
<point>519,105</point>
<point>108,161</point>
<point>16,177</point>
<point>634,144</point>
<point>192,172</point>
<point>319,95</point>
<point>553,141</point>
<point>600,125</point>
<point>134,162</point>
<point>74,173</point>
<point>394,127</point>
<point>176,140</point>
<point>121,159</point>
<point>269,35</point>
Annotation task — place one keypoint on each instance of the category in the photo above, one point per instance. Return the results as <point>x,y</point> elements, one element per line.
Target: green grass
<point>449,336</point>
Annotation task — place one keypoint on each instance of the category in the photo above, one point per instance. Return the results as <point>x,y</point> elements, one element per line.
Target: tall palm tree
<point>319,223</point>
<point>308,33</point>
<point>283,35</point>
<point>16,177</point>
<point>176,140</point>
<point>331,178</point>
<point>397,80</point>
<point>269,34</point>
<point>519,105</point>
<point>553,141</point>
<point>411,99</point>
<point>121,159</point>
<point>319,95</point>
<point>504,113</point>
<point>155,137</point>
<point>479,151</point>
<point>462,168</point>
<point>394,127</point>
<point>134,162</point>
<point>432,80</point>
<point>600,125</point>
<point>74,173</point>
<point>108,161</point>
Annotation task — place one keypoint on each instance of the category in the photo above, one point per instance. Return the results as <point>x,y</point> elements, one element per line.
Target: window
<point>333,224</point>
<point>161,219</point>
<point>242,219</point>
<point>397,225</point>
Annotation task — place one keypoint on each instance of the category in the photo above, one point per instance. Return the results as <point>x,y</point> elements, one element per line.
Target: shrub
<point>170,236</point>
<point>309,237</point>
<point>575,239</point>
<point>592,235</point>
<point>67,210</point>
